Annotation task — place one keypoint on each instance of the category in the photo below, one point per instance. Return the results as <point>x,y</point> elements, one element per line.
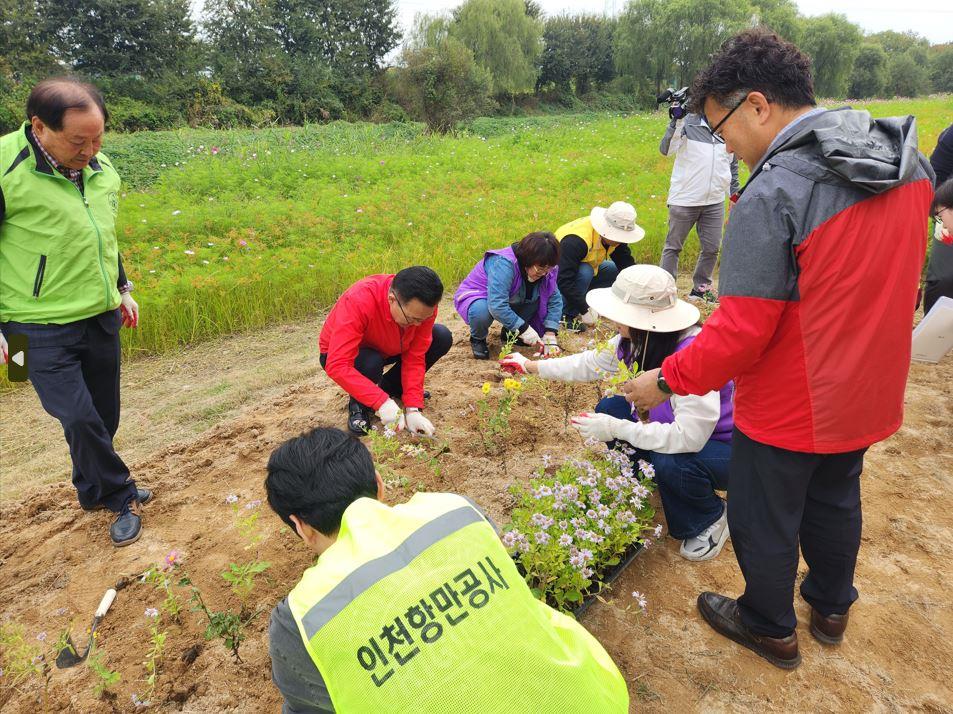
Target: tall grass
<point>277,222</point>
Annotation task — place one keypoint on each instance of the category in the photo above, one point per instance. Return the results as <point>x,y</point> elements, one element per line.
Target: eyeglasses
<point>714,129</point>
<point>407,318</point>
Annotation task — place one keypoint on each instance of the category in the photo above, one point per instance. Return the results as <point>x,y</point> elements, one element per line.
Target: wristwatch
<point>127,288</point>
<point>662,384</point>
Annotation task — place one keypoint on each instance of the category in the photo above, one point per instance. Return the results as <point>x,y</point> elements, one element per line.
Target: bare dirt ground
<point>200,425</point>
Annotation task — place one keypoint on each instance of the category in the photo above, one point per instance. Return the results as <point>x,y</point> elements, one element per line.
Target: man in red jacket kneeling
<point>381,321</point>
<point>819,276</point>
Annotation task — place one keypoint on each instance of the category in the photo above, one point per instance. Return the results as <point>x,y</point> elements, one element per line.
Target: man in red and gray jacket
<point>819,275</point>
<point>381,321</point>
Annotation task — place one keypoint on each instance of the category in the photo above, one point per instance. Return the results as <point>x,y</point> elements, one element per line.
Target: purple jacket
<point>474,287</point>
<point>664,414</point>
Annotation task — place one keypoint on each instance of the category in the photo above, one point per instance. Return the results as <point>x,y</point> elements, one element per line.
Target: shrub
<point>442,85</point>
<point>128,114</point>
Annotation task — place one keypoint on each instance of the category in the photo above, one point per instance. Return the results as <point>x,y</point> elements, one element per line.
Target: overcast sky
<point>931,18</point>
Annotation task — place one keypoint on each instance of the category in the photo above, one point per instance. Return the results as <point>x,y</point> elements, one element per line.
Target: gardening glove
<point>530,336</point>
<point>390,415</point>
<point>942,235</point>
<point>549,347</point>
<point>417,423</point>
<point>130,311</point>
<point>514,363</point>
<point>600,427</point>
<point>5,349</point>
<point>589,317</point>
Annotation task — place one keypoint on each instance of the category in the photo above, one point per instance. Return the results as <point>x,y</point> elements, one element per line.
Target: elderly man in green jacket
<point>63,291</point>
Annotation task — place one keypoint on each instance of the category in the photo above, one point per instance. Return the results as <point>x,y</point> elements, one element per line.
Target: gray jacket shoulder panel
<point>292,669</point>
<point>758,249</point>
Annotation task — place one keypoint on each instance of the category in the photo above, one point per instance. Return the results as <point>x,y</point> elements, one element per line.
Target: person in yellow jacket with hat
<point>592,251</point>
<point>416,607</point>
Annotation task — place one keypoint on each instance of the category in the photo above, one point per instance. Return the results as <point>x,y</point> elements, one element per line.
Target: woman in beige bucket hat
<point>686,439</point>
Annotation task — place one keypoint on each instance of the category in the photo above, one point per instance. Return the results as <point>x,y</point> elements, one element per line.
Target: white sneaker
<point>707,544</point>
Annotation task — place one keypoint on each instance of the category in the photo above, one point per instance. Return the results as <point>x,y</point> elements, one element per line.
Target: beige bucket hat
<point>644,297</point>
<point>617,222</point>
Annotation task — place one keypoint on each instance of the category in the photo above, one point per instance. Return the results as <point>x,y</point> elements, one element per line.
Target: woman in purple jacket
<point>517,287</point>
<point>686,439</point>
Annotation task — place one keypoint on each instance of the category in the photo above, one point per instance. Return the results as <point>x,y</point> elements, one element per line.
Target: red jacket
<point>819,276</point>
<point>361,318</point>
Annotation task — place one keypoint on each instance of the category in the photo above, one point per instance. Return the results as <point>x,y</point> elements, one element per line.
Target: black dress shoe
<point>143,495</point>
<point>358,418</point>
<point>830,629</point>
<point>480,349</point>
<point>127,527</point>
<point>722,614</point>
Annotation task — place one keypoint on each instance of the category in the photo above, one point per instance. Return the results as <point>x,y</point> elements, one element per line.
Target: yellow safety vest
<point>419,608</point>
<point>582,227</point>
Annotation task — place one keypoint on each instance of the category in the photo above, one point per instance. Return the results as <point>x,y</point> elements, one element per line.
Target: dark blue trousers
<point>686,482</point>
<point>781,499</point>
<point>74,369</point>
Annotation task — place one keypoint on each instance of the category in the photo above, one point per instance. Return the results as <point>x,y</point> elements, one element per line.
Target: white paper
<point>933,337</point>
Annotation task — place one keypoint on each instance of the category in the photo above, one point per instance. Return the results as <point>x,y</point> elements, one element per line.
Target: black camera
<point>676,101</point>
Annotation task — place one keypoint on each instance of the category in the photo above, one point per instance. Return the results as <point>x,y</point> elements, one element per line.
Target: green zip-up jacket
<point>59,258</point>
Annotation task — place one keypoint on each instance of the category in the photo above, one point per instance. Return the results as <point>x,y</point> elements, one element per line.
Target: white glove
<point>417,423</point>
<point>130,311</point>
<point>941,234</point>
<point>589,317</point>
<point>390,415</point>
<point>530,336</point>
<point>514,362</point>
<point>4,349</point>
<point>600,427</point>
<point>549,347</point>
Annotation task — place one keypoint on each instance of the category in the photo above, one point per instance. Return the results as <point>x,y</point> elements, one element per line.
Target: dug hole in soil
<point>56,560</point>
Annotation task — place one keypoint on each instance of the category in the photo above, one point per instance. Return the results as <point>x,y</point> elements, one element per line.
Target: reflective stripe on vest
<point>420,608</point>
<point>582,227</point>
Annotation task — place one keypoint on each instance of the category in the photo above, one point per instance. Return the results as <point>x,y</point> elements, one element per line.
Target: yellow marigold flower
<point>486,387</point>
<point>512,385</point>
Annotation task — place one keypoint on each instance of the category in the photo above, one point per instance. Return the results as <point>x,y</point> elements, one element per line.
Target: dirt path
<point>200,426</point>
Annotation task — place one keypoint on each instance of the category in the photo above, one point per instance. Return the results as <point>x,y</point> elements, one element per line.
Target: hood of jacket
<point>849,145</point>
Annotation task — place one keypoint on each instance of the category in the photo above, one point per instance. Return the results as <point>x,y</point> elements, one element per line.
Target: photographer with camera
<point>703,175</point>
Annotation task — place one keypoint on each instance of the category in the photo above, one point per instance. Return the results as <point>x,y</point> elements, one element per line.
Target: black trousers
<point>371,363</point>
<point>778,499</point>
<point>939,281</point>
<point>74,369</point>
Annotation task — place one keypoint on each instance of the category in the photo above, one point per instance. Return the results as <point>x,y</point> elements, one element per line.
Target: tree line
<point>257,62</point>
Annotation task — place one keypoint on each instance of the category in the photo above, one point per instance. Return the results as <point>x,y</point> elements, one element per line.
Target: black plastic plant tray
<point>614,572</point>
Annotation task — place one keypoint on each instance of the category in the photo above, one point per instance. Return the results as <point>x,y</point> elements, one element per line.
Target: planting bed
<point>56,560</point>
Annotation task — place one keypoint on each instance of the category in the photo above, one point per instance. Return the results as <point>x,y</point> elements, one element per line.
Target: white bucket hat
<point>617,222</point>
<point>644,297</point>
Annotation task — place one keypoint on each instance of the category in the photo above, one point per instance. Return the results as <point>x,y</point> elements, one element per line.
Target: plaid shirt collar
<point>74,175</point>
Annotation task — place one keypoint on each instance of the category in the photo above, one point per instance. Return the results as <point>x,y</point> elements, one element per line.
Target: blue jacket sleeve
<point>499,281</point>
<point>554,311</point>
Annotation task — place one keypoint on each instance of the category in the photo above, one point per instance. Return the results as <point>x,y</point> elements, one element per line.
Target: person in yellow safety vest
<point>592,251</point>
<point>416,607</point>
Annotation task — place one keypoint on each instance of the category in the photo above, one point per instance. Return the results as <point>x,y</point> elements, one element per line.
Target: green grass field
<point>276,223</point>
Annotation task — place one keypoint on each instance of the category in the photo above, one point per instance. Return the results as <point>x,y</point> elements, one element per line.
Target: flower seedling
<point>105,677</point>
<point>569,526</point>
<point>241,578</point>
<point>493,414</point>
